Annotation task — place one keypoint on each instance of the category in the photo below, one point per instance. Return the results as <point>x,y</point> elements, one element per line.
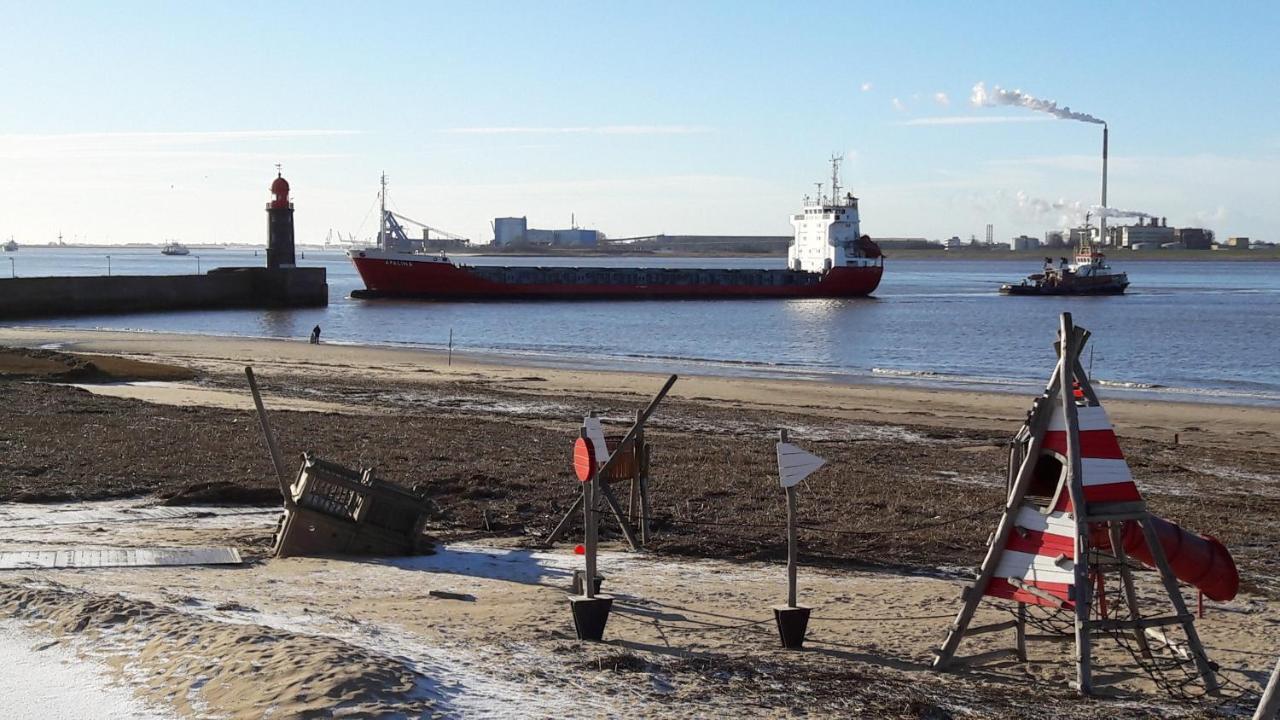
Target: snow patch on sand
<point>40,679</point>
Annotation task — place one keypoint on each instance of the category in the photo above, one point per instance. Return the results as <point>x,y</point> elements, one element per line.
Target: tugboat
<point>173,247</point>
<point>1089,275</point>
<point>11,246</point>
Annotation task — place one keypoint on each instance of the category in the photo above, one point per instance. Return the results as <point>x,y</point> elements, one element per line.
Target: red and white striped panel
<point>1103,469</point>
<point>1040,553</point>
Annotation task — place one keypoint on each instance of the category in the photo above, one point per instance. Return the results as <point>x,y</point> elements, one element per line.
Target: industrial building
<point>1151,234</point>
<point>1142,235</point>
<point>1024,242</point>
<point>516,231</point>
<point>1055,239</point>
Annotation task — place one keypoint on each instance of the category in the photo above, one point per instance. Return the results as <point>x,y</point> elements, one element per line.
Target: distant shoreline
<point>1033,256</point>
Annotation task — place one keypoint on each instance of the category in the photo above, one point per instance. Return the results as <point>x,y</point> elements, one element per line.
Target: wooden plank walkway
<point>105,557</point>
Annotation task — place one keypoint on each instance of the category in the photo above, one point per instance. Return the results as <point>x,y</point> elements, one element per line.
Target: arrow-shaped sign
<point>795,464</point>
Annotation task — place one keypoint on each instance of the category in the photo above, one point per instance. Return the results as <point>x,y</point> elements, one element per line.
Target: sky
<point>148,121</point>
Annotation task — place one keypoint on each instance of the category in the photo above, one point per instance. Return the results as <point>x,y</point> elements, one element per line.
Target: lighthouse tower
<point>280,226</point>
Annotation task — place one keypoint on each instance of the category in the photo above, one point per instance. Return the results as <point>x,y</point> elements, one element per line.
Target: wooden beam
<point>1130,594</point>
<point>1180,607</point>
<point>793,542</point>
<point>1075,480</point>
<point>563,525</point>
<point>993,627</point>
<point>1269,704</point>
<point>630,437</point>
<point>1142,622</point>
<point>646,514</point>
<point>616,507</point>
<point>282,475</point>
<point>1020,633</point>
<point>1037,421</point>
<point>590,523</point>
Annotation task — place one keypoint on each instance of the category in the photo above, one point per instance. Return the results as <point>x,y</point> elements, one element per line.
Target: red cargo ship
<point>828,258</point>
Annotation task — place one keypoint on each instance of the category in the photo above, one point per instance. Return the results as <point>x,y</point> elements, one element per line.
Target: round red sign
<point>584,459</point>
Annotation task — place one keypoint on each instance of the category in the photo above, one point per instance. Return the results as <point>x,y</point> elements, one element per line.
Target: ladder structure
<point>1072,510</point>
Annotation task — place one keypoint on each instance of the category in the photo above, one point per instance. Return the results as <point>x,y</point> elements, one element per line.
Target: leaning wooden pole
<point>1269,705</point>
<point>270,436</point>
<point>1081,587</point>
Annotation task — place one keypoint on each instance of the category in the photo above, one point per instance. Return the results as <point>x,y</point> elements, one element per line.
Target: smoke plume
<point>999,96</point>
<point>1099,211</point>
<point>1040,206</point>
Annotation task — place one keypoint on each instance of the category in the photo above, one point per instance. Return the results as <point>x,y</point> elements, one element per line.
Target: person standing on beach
<point>315,335</point>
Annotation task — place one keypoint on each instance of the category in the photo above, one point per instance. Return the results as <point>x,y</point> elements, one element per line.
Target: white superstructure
<point>827,231</point>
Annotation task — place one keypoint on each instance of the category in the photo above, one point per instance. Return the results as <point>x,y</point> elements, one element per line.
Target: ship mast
<point>382,214</point>
<point>835,179</point>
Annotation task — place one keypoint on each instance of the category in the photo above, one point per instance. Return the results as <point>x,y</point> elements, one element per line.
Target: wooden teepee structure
<point>1072,505</point>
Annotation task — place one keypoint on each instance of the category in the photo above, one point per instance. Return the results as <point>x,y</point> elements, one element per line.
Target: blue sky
<point>137,121</point>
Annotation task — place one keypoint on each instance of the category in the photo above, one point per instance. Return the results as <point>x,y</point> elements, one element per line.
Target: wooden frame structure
<point>334,510</point>
<point>624,458</point>
<point>1041,552</point>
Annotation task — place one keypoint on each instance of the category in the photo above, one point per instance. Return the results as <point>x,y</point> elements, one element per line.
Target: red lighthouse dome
<point>280,188</point>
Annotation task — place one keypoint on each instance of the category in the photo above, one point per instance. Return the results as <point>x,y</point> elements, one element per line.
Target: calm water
<point>1188,330</point>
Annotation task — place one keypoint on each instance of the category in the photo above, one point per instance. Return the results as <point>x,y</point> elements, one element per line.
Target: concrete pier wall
<point>217,289</point>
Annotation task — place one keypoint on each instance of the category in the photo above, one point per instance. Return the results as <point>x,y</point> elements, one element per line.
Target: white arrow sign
<point>595,433</point>
<point>795,464</point>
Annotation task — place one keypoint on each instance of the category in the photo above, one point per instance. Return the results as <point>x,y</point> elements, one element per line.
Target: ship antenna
<point>835,179</point>
<point>819,192</point>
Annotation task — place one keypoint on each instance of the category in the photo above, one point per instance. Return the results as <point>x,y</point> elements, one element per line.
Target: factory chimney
<point>1102,222</point>
<point>280,225</point>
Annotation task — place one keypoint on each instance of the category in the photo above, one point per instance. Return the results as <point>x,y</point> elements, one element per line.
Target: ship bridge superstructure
<point>828,232</point>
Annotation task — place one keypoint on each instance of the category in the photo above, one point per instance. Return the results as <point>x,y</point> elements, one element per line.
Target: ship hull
<point>436,280</point>
<point>1109,289</point>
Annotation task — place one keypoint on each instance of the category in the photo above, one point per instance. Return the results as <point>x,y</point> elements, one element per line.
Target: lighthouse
<point>280,225</point>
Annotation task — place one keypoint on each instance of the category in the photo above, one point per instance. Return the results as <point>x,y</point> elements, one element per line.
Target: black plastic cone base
<point>590,615</point>
<point>792,624</point>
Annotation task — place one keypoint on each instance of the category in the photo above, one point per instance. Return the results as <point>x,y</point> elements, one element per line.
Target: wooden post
<point>450,347</point>
<point>792,539</point>
<point>1269,705</point>
<point>633,501</point>
<point>1081,588</point>
<point>589,523</point>
<point>1020,637</point>
<point>645,513</point>
<point>276,461</point>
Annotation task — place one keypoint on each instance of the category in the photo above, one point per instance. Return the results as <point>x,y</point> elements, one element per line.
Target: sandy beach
<point>901,515</point>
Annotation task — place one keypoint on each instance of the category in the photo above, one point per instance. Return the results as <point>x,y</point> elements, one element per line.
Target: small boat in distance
<point>11,246</point>
<point>173,247</point>
<point>1088,275</point>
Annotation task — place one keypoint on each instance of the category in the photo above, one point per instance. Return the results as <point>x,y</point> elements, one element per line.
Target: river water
<point>1186,330</point>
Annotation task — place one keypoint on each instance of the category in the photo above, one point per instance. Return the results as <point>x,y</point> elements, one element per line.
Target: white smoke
<point>999,96</point>
<point>1099,211</point>
<point>1040,206</point>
